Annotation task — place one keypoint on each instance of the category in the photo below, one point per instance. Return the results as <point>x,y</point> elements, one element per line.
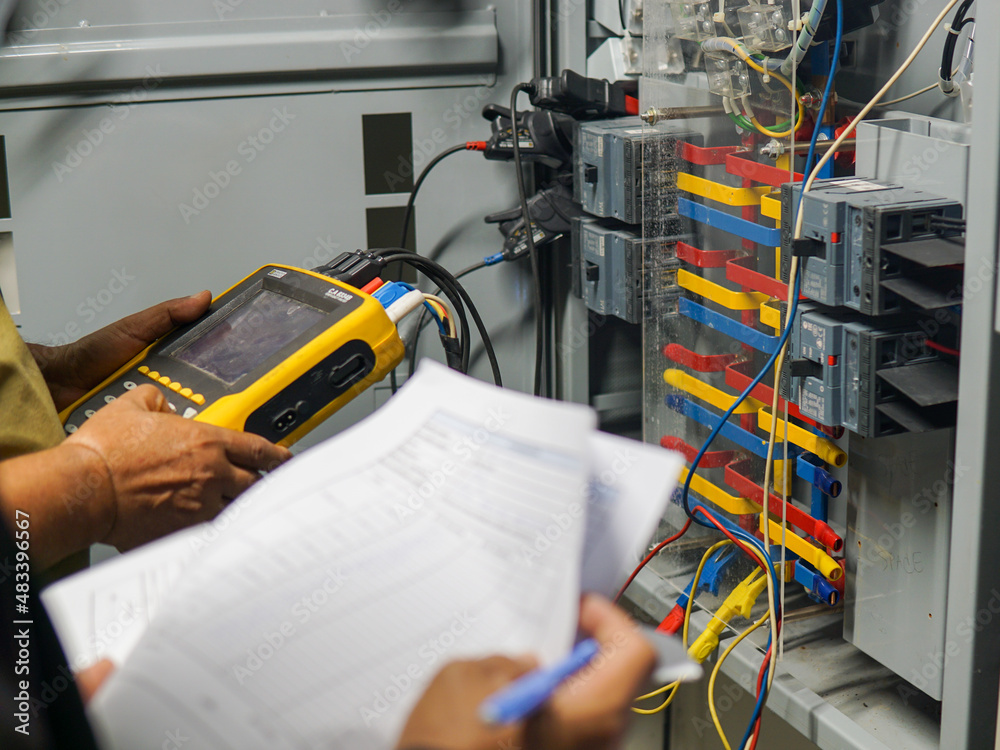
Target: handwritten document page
<point>449,524</point>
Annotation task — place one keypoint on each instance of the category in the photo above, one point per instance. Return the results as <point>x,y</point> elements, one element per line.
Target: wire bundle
<point>457,296</point>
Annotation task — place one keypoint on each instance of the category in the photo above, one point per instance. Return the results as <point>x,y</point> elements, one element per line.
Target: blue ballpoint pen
<point>527,694</point>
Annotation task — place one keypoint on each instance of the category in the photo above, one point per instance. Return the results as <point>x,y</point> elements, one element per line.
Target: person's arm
<point>131,474</point>
<point>589,712</point>
<point>72,371</point>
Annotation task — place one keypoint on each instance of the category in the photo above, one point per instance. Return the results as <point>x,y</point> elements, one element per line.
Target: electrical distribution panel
<point>869,380</point>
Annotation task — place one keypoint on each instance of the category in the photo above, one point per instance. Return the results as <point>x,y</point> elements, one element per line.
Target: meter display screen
<point>250,334</point>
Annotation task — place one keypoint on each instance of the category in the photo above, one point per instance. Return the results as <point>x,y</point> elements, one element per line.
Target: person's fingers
<point>634,657</point>
<point>497,671</point>
<point>526,662</point>
<point>146,397</point>
<point>253,452</point>
<point>235,481</point>
<point>188,309</point>
<point>89,681</point>
<point>147,326</point>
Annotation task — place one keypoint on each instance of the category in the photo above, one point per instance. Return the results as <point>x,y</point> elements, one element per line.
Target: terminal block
<point>693,20</point>
<point>767,28</point>
<point>874,247</point>
<point>875,378</point>
<point>728,76</point>
<point>609,265</point>
<point>608,176</point>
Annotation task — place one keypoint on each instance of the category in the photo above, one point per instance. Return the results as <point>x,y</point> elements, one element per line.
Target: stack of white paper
<point>453,523</point>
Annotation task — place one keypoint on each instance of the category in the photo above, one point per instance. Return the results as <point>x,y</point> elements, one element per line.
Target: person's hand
<point>166,473</point>
<point>72,371</point>
<point>89,680</point>
<point>447,716</point>
<point>589,712</point>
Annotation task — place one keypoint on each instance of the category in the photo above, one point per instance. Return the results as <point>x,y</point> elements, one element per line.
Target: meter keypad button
<point>89,413</point>
<point>130,386</point>
<point>108,399</point>
<point>144,370</point>
<point>198,399</point>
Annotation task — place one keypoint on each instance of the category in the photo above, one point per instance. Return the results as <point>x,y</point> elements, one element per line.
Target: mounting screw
<point>772,149</point>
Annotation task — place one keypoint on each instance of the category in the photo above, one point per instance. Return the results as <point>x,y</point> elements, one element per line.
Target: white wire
<point>906,98</point>
<point>780,649</point>
<point>452,328</point>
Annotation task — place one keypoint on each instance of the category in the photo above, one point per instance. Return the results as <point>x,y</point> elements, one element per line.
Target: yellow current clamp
<point>739,602</point>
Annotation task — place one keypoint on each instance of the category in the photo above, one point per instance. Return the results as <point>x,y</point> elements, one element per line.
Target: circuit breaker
<point>608,266</point>
<point>609,179</point>
<point>873,377</point>
<point>858,245</point>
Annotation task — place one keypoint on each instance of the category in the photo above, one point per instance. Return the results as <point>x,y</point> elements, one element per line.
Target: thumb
<point>187,309</point>
<point>147,326</point>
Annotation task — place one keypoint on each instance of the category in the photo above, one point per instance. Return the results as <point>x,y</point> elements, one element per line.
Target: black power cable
<point>457,294</point>
<point>425,318</point>
<point>951,42</point>
<point>408,216</point>
<point>532,253</point>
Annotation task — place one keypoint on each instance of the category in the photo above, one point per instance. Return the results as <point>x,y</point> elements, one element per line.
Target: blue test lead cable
<point>528,693</point>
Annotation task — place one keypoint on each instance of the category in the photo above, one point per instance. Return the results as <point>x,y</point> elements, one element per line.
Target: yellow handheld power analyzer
<point>275,355</point>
